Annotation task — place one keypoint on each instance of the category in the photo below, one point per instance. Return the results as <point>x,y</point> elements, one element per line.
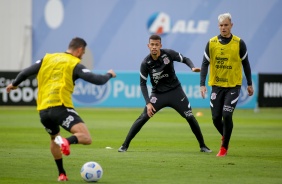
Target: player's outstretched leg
<point>135,128</point>
<point>198,133</point>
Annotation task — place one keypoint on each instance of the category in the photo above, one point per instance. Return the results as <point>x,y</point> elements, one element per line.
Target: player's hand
<point>203,91</point>
<point>250,90</point>
<point>196,69</point>
<point>150,110</point>
<point>10,87</point>
<point>112,73</point>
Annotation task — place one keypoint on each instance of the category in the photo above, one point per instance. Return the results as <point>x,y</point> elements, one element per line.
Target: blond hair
<point>224,16</point>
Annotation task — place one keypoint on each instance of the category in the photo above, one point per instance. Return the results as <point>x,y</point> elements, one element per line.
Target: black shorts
<point>175,99</point>
<point>53,118</point>
<point>224,99</point>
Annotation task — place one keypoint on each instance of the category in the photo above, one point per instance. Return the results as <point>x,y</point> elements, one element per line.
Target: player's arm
<point>143,82</point>
<point>80,71</point>
<point>204,71</point>
<point>176,56</point>
<point>143,86</point>
<point>245,62</point>
<point>24,74</point>
<point>246,66</point>
<point>190,64</point>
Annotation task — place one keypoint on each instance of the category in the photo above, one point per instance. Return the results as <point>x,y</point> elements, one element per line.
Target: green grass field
<point>165,150</point>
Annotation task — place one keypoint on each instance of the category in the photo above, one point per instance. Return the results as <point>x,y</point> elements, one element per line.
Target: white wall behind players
<point>15,34</point>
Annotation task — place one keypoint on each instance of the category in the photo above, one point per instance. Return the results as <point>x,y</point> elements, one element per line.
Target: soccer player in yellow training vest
<point>226,54</point>
<point>56,74</point>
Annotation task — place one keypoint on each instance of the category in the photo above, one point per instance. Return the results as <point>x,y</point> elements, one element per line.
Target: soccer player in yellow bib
<point>56,74</point>
<point>225,54</point>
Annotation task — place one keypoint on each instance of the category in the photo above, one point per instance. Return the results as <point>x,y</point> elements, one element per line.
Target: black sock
<point>60,167</point>
<point>72,139</point>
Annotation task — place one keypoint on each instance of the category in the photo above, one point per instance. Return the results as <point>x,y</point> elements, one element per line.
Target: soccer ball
<point>91,171</point>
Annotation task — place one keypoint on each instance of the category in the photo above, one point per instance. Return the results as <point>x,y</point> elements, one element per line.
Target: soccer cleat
<point>222,139</point>
<point>122,149</point>
<point>63,177</point>
<point>64,144</point>
<point>222,152</point>
<point>205,149</point>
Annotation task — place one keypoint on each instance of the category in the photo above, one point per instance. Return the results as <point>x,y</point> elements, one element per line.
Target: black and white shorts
<point>223,99</point>
<point>54,117</point>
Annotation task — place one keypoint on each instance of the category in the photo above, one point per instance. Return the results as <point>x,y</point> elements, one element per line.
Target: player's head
<point>155,37</point>
<point>77,47</point>
<point>155,44</point>
<point>225,24</point>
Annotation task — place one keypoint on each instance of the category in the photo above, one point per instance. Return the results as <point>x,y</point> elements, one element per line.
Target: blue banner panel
<point>124,91</point>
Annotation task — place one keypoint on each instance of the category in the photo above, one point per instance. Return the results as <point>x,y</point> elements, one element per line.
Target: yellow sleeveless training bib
<point>225,63</point>
<point>55,82</point>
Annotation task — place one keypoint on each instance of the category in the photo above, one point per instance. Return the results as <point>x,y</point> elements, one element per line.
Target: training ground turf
<point>164,152</point>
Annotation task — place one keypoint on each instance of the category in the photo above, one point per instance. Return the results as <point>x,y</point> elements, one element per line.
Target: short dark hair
<point>77,43</point>
<point>155,37</point>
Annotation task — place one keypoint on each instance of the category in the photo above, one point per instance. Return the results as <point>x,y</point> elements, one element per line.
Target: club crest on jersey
<point>213,96</point>
<point>166,60</point>
<point>153,100</point>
